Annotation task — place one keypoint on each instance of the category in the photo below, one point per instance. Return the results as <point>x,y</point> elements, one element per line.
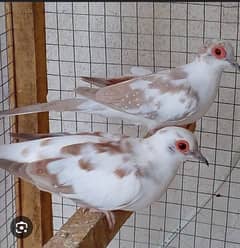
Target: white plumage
<point>101,171</point>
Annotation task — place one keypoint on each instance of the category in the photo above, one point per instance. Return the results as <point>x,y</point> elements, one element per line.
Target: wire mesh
<point>7,183</point>
<point>105,39</point>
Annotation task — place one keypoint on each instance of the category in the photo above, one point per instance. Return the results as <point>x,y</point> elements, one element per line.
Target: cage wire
<point>7,182</point>
<point>104,39</point>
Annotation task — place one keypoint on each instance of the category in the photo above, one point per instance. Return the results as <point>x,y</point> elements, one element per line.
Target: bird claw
<point>111,220</point>
<point>109,216</point>
<point>85,210</point>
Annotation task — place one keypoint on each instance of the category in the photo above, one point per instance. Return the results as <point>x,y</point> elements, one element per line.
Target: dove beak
<point>198,155</point>
<point>234,63</point>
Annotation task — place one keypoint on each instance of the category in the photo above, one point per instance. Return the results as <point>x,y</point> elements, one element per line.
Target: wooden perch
<point>87,230</point>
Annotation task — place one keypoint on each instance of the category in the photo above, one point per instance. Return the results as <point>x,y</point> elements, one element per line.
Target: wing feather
<point>102,82</point>
<point>89,172</point>
<point>165,96</point>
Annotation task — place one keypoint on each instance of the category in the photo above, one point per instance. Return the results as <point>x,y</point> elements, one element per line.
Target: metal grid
<point>7,183</point>
<point>200,209</point>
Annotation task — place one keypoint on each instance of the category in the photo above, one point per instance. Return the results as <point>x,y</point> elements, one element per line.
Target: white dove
<point>170,97</point>
<point>100,171</point>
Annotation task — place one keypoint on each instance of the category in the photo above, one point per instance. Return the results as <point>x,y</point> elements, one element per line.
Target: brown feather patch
<point>37,174</point>
<point>111,147</point>
<point>39,169</point>
<point>120,173</point>
<point>16,169</point>
<point>85,165</point>
<point>74,149</point>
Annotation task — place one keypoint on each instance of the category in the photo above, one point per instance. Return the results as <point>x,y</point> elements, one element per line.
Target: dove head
<point>181,144</point>
<point>218,53</point>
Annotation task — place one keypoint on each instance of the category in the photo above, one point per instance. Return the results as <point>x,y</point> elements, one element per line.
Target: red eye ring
<point>219,52</point>
<point>182,146</point>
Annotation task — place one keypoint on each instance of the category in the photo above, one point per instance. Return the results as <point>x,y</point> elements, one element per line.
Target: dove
<point>100,171</point>
<point>174,97</point>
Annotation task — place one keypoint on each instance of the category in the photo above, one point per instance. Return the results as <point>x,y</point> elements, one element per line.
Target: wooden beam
<point>87,230</point>
<point>27,22</point>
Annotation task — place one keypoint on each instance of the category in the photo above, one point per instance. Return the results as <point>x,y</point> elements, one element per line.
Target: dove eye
<point>219,52</point>
<point>182,146</point>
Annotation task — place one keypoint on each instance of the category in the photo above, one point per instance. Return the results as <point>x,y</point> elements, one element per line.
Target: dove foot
<point>109,216</point>
<point>85,210</point>
<point>110,219</point>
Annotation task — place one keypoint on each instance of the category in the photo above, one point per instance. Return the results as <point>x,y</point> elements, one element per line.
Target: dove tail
<point>7,151</point>
<point>9,166</point>
<point>101,82</point>
<point>15,168</point>
<point>58,106</point>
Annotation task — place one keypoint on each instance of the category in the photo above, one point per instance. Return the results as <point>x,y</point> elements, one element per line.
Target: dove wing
<point>96,173</point>
<point>165,96</point>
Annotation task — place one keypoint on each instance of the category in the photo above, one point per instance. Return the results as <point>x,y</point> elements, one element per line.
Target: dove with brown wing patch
<point>102,171</point>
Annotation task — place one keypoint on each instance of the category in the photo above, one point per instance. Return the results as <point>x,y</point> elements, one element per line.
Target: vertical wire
<point>121,50</point>
<point>74,60</point>
<point>154,70</point>
<point>200,143</point>
<point>138,130</point>
<point>183,166</point>
<point>170,59</point>
<point>74,68</point>
<point>4,141</point>
<point>90,54</point>
<point>105,47</point>
<point>232,141</point>
<point>216,142</point>
<point>60,87</point>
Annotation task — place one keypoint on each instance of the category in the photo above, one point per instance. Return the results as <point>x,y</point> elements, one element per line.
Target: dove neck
<point>206,66</point>
<point>204,78</point>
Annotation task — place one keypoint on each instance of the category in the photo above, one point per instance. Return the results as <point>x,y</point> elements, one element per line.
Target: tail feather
<point>10,164</point>
<point>58,106</point>
<point>14,168</point>
<point>102,82</point>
